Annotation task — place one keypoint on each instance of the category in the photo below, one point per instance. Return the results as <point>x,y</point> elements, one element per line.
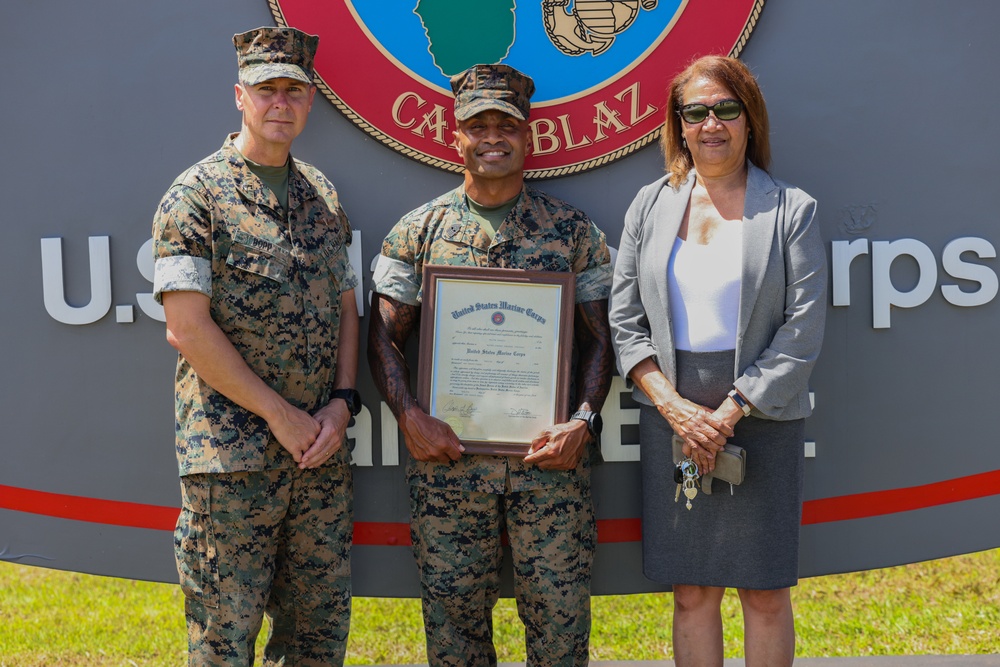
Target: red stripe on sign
<point>825,510</point>
<point>82,508</point>
<point>371,533</point>
<point>619,530</point>
<point>892,501</point>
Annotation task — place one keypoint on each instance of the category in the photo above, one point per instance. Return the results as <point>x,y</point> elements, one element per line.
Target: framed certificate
<point>495,349</point>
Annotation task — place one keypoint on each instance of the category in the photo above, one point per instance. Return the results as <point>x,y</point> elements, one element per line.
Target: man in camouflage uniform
<point>252,271</point>
<point>461,503</point>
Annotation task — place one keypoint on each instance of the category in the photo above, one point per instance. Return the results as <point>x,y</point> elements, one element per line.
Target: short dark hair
<point>735,76</point>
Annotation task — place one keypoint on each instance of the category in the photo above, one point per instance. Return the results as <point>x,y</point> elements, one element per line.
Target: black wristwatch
<point>594,422</point>
<point>351,397</point>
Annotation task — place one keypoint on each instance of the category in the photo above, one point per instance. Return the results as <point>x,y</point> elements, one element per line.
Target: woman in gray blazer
<point>717,311</point>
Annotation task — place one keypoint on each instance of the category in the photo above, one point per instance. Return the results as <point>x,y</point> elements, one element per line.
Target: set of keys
<point>686,476</point>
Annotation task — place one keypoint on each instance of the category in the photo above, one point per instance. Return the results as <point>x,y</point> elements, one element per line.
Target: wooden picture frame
<point>495,353</point>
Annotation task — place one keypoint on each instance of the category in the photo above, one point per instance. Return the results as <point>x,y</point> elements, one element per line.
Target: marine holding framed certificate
<point>495,350</point>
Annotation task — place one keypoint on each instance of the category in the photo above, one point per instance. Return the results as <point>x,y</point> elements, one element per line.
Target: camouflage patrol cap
<point>483,87</point>
<point>275,53</point>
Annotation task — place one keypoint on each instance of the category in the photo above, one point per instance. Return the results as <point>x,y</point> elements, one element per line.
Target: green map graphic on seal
<point>453,45</point>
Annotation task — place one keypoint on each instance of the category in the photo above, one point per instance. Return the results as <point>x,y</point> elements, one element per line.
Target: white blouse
<point>704,285</point>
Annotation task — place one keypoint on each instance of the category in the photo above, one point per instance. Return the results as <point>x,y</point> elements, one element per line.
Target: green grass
<point>948,606</point>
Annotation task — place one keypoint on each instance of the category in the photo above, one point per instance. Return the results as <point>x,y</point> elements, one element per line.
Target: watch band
<point>595,424</point>
<point>351,396</point>
<point>741,402</point>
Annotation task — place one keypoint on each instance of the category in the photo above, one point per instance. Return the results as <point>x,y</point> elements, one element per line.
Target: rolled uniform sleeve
<point>396,272</point>
<point>398,280</point>
<point>182,244</point>
<point>593,284</point>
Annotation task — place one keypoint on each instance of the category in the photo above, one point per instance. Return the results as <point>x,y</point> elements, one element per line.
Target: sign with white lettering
<point>599,67</point>
<point>901,460</point>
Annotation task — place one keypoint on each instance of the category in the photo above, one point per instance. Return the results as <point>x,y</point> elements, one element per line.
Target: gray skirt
<point>749,539</point>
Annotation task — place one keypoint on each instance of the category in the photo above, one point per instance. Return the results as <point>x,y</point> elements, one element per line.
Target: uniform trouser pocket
<point>195,548</point>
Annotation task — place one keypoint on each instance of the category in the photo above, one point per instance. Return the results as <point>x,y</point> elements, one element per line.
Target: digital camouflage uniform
<point>254,530</point>
<point>460,509</point>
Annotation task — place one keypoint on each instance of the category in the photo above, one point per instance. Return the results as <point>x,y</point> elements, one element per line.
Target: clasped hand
<point>703,430</point>
<point>312,439</point>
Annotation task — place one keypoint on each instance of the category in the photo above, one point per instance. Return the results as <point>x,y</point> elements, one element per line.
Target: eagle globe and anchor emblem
<point>590,25</point>
<point>600,67</point>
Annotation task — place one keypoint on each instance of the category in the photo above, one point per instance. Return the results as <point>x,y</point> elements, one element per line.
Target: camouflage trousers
<point>457,543</point>
<point>275,542</point>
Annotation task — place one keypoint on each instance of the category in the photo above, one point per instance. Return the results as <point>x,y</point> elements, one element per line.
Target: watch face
<point>596,423</point>
<point>352,397</point>
<point>741,402</point>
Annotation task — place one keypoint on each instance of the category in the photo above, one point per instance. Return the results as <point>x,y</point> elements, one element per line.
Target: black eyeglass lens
<point>694,113</point>
<point>728,110</point>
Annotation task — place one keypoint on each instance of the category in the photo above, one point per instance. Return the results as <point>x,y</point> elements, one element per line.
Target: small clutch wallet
<point>730,464</point>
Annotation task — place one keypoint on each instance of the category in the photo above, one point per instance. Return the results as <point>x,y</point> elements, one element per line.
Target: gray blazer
<point>782,298</point>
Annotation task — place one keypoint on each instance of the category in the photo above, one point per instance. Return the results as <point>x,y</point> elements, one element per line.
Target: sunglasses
<point>724,110</point>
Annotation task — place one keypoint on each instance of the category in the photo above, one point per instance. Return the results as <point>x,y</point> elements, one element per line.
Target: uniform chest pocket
<point>250,291</point>
<point>259,262</point>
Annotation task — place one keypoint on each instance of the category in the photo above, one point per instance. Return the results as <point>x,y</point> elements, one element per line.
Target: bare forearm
<point>426,438</point>
<point>653,383</point>
<point>593,335</point>
<point>191,330</point>
<point>346,376</point>
<point>391,324</point>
